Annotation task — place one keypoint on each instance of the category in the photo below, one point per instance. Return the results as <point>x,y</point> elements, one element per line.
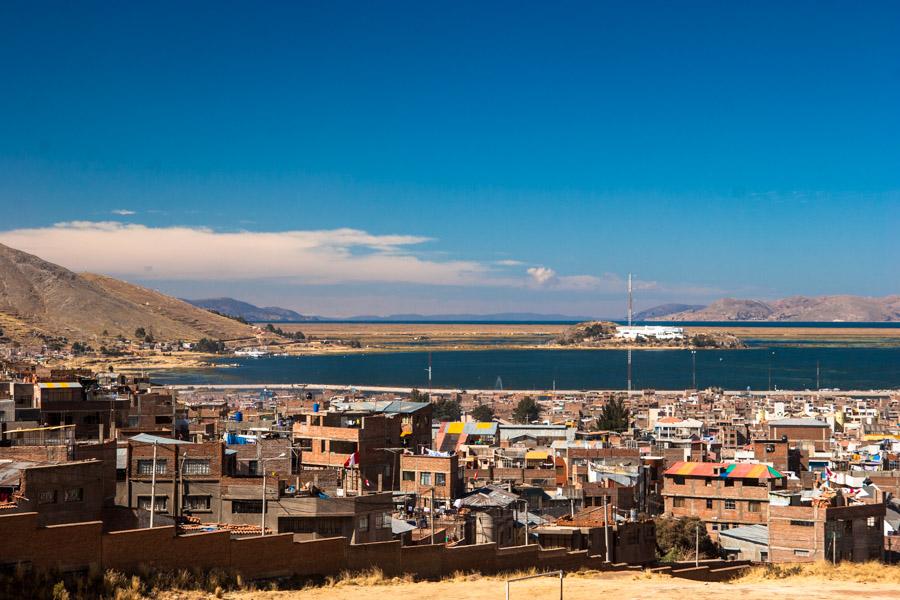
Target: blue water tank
<point>238,416</point>
<point>315,407</point>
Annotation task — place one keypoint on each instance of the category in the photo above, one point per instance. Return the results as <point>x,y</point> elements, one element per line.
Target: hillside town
<point>533,478</point>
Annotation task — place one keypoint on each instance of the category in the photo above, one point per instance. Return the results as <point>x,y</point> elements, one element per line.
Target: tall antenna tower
<point>630,311</point>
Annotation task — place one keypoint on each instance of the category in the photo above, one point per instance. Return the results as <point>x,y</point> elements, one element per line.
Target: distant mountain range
<point>250,312</point>
<point>274,314</point>
<point>493,317</point>
<point>665,309</point>
<point>795,308</point>
<point>39,299</point>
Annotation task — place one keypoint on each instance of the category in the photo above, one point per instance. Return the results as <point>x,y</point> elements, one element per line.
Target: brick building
<point>329,440</point>
<point>815,531</point>
<point>722,495</point>
<point>419,474</point>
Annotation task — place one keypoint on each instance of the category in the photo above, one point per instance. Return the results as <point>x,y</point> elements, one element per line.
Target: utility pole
<point>262,531</point>
<point>432,516</point>
<point>629,324</point>
<point>153,486</point>
<point>834,547</point>
<point>606,527</point>
<point>526,521</point>
<point>817,376</point>
<point>262,463</point>
<point>180,493</point>
<point>693,369</point>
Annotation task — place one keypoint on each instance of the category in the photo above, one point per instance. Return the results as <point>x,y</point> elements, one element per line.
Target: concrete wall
<point>83,546</point>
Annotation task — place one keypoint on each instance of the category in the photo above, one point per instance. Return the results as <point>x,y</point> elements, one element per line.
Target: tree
<point>446,409</point>
<point>483,413</point>
<point>209,346</point>
<point>140,333</point>
<point>614,416</point>
<point>526,410</point>
<point>417,396</point>
<point>676,539</point>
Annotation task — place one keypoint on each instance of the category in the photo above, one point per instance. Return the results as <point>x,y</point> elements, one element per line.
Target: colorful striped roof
<point>724,470</point>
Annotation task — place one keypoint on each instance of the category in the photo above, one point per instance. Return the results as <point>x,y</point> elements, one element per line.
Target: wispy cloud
<point>123,212</point>
<point>307,257</point>
<point>314,257</point>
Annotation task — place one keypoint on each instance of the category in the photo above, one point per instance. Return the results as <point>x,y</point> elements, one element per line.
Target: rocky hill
<point>795,308</point>
<point>250,312</point>
<point>38,299</point>
<point>665,309</point>
<point>602,334</point>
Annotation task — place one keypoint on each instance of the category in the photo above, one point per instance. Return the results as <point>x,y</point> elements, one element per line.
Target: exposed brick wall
<point>84,546</point>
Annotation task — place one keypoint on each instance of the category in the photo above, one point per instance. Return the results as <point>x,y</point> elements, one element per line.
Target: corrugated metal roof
<point>146,438</point>
<point>724,470</point>
<point>798,423</point>
<point>59,385</point>
<point>757,534</point>
<point>471,428</point>
<point>382,406</point>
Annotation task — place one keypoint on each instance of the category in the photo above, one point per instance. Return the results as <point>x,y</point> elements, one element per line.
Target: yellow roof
<point>60,384</point>
<point>535,455</point>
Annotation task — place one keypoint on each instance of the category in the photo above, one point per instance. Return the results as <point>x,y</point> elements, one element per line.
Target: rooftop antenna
<point>630,310</point>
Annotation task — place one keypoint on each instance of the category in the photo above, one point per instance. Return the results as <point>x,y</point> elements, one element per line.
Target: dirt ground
<point>609,586</point>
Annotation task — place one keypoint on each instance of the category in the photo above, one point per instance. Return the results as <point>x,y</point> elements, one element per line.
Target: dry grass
<point>870,572</point>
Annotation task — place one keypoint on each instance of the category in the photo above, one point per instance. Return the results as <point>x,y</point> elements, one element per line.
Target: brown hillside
<point>38,297</point>
<point>797,308</point>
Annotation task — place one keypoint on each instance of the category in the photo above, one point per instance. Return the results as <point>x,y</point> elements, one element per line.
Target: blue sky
<point>345,158</point>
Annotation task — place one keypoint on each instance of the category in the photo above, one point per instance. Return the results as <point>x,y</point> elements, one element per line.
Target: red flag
<point>353,460</point>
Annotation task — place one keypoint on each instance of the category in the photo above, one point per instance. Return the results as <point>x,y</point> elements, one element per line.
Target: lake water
<point>758,368</point>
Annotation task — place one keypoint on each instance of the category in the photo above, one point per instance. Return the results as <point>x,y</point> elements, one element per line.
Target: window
<point>440,479</point>
<point>708,482</point>
<point>678,480</point>
<point>162,503</point>
<point>253,467</point>
<point>678,502</point>
<point>47,497</point>
<point>709,503</point>
<point>386,520</point>
<point>379,520</point>
<point>196,466</point>
<point>246,507</point>
<point>801,552</point>
<point>322,446</point>
<point>729,483</point>
<point>873,522</point>
<point>134,420</point>
<point>409,476</point>
<point>163,420</point>
<point>305,444</point>
<point>754,506</point>
<point>730,504</point>
<point>74,495</point>
<point>145,466</point>
<point>795,523</point>
<point>363,523</point>
<point>196,502</point>
<point>715,526</point>
<point>425,478</point>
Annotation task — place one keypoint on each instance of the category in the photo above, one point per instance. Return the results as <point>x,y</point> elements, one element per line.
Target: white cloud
<point>124,212</point>
<point>186,253</point>
<point>308,257</point>
<point>543,276</point>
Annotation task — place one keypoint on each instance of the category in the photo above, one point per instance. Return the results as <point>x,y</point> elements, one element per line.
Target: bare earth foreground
<point>607,586</point>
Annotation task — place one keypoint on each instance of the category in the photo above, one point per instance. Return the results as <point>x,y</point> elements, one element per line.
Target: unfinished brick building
<point>722,495</point>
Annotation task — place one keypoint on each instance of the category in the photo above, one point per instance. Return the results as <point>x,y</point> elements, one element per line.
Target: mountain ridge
<point>39,299</point>
<point>842,307</point>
